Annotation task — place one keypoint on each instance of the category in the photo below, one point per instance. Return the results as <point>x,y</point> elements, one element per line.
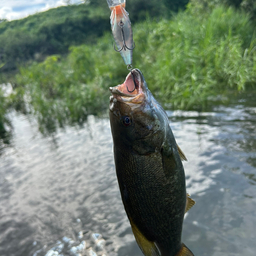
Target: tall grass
<point>186,61</point>
<point>194,57</point>
<point>60,91</point>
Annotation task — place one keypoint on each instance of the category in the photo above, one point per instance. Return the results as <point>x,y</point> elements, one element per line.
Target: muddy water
<point>59,194</point>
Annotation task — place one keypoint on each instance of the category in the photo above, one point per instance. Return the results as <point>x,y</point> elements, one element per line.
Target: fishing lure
<point>121,30</point>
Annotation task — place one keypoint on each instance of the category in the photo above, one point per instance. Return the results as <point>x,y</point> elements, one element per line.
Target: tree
<point>175,5</point>
<point>250,7</point>
<point>235,3</point>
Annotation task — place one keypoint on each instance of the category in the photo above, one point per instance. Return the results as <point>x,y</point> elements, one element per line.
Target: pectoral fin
<point>148,247</point>
<point>184,251</point>
<point>182,155</point>
<point>190,203</point>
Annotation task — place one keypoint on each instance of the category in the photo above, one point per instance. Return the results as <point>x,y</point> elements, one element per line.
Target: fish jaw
<point>133,92</point>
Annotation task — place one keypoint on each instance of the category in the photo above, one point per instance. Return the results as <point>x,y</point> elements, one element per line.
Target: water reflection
<point>5,122</point>
<point>5,140</point>
<point>59,194</point>
<point>5,133</point>
<point>222,221</point>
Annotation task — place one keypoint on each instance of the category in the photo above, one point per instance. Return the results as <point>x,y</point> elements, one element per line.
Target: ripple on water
<point>60,196</point>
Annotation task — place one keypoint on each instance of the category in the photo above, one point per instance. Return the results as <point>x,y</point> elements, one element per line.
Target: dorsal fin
<point>190,202</point>
<point>184,251</point>
<point>182,155</point>
<point>148,247</point>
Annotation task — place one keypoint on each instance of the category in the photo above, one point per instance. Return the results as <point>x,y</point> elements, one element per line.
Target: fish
<point>149,168</point>
<point>122,31</point>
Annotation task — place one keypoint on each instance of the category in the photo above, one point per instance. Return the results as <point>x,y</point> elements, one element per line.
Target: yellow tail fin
<point>182,155</point>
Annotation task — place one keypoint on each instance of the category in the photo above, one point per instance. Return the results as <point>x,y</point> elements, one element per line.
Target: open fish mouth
<point>131,87</point>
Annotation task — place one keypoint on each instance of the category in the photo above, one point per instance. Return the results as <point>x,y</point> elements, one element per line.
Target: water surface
<point>59,194</point>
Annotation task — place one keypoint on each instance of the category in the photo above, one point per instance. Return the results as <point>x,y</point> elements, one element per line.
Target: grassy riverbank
<point>188,62</point>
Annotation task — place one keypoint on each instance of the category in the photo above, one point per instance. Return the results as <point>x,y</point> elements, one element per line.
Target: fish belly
<point>153,202</point>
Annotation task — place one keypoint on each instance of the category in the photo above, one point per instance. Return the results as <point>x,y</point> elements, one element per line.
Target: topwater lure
<point>122,30</point>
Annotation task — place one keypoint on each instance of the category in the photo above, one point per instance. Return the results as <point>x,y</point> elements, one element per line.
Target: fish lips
<point>131,92</point>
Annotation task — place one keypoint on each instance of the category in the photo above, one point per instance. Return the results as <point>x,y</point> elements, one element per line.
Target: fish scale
<point>149,169</point>
<point>150,191</point>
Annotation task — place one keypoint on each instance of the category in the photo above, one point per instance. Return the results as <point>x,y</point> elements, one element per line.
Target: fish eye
<point>127,120</point>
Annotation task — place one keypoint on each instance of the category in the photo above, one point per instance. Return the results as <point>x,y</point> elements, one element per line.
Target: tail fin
<point>184,251</point>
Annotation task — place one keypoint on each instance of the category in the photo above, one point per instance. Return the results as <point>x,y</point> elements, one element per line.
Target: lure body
<point>121,30</point>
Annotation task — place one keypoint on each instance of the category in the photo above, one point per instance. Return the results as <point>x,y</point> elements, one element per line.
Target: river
<point>59,194</point>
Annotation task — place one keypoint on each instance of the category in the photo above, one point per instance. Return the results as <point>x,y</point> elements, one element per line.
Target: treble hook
<point>124,47</point>
<point>135,85</point>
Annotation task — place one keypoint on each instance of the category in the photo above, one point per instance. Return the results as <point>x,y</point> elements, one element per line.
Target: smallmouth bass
<point>149,169</point>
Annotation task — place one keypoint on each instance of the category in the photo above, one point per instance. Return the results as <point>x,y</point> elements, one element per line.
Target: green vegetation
<point>249,6</point>
<point>176,5</point>
<point>188,61</point>
<point>195,57</point>
<point>185,61</point>
<point>61,91</point>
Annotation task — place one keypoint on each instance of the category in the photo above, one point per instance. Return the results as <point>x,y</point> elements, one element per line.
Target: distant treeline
<point>50,32</point>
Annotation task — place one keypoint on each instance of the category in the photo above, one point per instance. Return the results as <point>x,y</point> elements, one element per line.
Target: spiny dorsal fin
<point>190,203</point>
<point>147,247</point>
<point>182,155</point>
<point>184,251</point>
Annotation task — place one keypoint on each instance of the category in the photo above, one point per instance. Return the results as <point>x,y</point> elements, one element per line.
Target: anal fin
<point>148,247</point>
<point>184,251</point>
<point>190,203</point>
<point>182,155</point>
